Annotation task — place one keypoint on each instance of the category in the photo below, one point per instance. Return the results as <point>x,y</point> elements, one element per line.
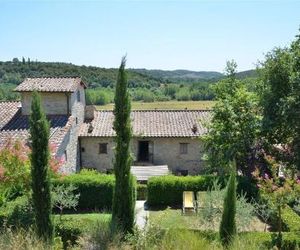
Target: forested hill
<point>181,76</point>
<point>145,85</point>
<point>15,71</point>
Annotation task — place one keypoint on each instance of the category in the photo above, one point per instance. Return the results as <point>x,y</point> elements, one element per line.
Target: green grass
<point>170,218</point>
<point>87,217</point>
<point>169,105</point>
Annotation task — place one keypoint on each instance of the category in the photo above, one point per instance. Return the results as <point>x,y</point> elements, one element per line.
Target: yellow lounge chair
<point>188,202</point>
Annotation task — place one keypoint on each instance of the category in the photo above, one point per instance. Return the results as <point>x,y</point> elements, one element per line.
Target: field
<point>169,105</point>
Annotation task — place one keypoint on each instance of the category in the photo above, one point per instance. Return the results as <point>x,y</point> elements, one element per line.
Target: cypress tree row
<point>41,196</point>
<point>124,193</point>
<point>228,223</point>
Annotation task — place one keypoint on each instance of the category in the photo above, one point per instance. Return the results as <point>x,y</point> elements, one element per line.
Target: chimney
<point>89,112</point>
<point>194,128</point>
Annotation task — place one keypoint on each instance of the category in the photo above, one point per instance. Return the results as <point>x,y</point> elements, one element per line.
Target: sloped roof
<point>7,111</point>
<point>15,126</point>
<point>151,123</point>
<point>53,84</point>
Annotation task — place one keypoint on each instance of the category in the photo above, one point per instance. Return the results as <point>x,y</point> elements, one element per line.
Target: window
<point>65,156</point>
<point>183,148</point>
<point>76,120</point>
<point>82,149</point>
<point>103,148</point>
<point>78,96</point>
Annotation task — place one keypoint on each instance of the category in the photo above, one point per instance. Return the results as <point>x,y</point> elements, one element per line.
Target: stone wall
<point>69,148</point>
<point>53,103</point>
<point>166,151</point>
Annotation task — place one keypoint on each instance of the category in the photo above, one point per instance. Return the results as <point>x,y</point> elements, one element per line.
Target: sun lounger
<point>189,204</point>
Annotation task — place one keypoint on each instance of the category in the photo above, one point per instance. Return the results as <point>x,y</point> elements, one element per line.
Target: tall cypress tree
<point>124,193</point>
<point>228,223</point>
<point>41,196</point>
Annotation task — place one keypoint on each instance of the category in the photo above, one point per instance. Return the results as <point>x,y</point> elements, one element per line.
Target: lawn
<point>170,218</point>
<point>87,217</point>
<point>169,105</point>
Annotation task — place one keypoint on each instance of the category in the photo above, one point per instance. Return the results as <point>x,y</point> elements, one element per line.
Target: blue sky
<point>195,35</point>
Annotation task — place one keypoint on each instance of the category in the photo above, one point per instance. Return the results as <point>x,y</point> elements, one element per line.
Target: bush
<point>167,190</point>
<point>17,213</point>
<point>228,223</point>
<point>290,240</point>
<point>141,192</point>
<point>290,219</point>
<point>95,189</point>
<point>71,227</point>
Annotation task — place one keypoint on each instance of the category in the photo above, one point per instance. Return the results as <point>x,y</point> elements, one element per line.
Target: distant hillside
<point>180,75</point>
<point>144,85</point>
<point>252,73</point>
<point>14,72</point>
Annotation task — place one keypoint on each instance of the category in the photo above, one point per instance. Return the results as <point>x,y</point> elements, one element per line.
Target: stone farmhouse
<point>84,137</point>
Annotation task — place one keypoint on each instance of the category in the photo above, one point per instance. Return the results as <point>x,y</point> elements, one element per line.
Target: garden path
<point>141,214</point>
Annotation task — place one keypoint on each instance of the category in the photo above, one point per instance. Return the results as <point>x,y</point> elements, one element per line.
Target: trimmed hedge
<point>290,219</point>
<point>17,213</point>
<point>96,189</point>
<point>167,190</point>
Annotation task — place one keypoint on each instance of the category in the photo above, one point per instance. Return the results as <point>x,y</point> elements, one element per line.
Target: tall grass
<point>22,239</point>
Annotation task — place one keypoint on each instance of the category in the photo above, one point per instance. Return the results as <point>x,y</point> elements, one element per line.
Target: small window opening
<point>183,148</point>
<point>103,148</point>
<point>78,96</point>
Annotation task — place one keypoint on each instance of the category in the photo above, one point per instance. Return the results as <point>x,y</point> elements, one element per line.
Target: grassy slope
<point>170,105</point>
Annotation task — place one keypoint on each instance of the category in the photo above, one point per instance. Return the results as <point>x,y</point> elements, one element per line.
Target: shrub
<point>17,213</point>
<point>141,191</point>
<point>71,227</point>
<point>167,190</point>
<point>290,241</point>
<point>290,220</point>
<point>228,222</point>
<point>95,189</point>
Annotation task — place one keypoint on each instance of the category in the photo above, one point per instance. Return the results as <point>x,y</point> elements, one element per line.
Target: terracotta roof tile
<point>15,126</point>
<point>156,123</point>
<point>59,84</point>
<point>7,111</point>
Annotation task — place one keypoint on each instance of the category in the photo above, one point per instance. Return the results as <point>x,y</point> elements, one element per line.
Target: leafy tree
<point>228,223</point>
<point>14,170</point>
<point>64,197</point>
<point>232,133</point>
<point>277,193</point>
<point>41,195</point>
<point>280,101</point>
<point>124,193</point>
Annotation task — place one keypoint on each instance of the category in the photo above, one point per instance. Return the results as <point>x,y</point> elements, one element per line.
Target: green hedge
<point>167,190</point>
<point>96,189</point>
<point>72,226</point>
<point>290,219</point>
<point>16,213</point>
